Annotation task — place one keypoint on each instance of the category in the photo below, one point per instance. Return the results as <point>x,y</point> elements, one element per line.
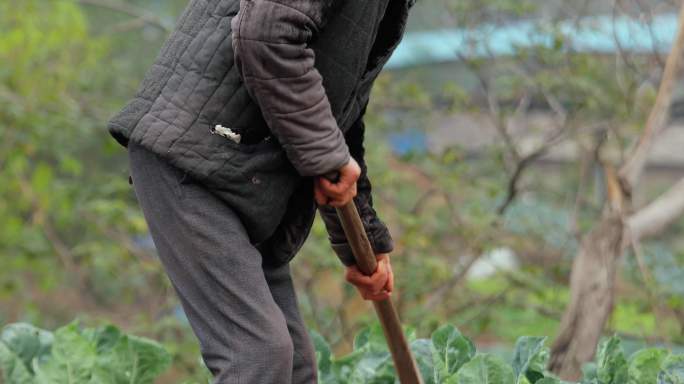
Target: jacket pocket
<point>256,180</point>
<point>183,185</point>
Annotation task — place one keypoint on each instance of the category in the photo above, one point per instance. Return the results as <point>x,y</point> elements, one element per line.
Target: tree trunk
<point>594,269</point>
<point>592,281</point>
<point>591,287</point>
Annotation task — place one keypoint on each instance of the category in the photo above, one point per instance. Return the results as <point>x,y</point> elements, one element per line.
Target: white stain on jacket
<point>226,132</point>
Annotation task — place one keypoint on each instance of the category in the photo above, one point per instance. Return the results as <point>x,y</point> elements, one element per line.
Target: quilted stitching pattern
<point>195,84</point>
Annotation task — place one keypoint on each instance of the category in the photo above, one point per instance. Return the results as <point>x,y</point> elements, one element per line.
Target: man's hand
<point>339,193</point>
<point>379,285</point>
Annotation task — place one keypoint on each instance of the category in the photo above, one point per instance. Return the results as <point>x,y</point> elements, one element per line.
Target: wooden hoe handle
<point>365,259</point>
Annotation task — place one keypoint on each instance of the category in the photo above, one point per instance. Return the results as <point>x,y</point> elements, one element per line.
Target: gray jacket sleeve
<point>378,235</point>
<point>271,47</point>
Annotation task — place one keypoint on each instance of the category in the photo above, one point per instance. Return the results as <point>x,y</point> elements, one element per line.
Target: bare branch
<point>494,109</point>
<point>632,169</point>
<point>128,25</point>
<point>131,10</point>
<point>553,139</point>
<point>659,214</point>
<point>443,290</point>
<point>513,188</point>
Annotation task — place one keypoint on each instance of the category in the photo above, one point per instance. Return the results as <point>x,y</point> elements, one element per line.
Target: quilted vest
<point>194,69</point>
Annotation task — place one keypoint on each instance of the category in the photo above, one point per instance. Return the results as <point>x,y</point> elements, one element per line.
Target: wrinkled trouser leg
<point>244,314</point>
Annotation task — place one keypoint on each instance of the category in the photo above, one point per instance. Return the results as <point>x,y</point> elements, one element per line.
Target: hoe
<point>404,362</point>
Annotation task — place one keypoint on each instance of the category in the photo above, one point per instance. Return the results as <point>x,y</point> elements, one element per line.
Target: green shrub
<point>448,357</point>
<point>73,355</point>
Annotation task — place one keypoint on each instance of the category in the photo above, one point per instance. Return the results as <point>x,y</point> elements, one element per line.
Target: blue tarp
<point>602,34</point>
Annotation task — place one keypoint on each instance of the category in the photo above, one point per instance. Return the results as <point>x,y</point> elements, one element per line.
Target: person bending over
<point>246,109</point>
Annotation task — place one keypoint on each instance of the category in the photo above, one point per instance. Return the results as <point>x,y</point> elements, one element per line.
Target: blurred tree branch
<point>652,219</point>
<point>131,10</point>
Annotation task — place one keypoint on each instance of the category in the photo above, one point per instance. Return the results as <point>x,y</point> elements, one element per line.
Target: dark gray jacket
<point>292,78</point>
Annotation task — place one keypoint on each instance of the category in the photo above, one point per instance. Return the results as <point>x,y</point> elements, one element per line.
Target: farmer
<point>248,106</point>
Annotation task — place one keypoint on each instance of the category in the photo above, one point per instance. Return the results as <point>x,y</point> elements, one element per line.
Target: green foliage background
<point>73,240</point>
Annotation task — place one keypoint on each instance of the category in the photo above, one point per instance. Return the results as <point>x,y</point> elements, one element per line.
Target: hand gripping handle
<point>404,362</point>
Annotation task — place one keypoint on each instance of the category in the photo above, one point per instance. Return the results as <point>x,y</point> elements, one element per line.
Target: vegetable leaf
<point>451,350</point>
<point>611,363</point>
<point>673,370</point>
<point>644,365</point>
<point>530,358</point>
<point>485,369</point>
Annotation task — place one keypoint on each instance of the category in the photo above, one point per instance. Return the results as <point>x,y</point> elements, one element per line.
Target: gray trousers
<point>244,314</point>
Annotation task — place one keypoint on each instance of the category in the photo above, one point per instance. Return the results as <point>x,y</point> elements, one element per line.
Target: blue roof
<point>591,34</point>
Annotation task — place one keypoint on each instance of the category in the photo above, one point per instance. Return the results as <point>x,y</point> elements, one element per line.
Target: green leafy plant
<point>105,355</point>
<point>448,357</point>
<point>75,355</point>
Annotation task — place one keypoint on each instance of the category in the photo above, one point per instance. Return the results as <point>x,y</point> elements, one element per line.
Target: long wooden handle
<point>365,259</point>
